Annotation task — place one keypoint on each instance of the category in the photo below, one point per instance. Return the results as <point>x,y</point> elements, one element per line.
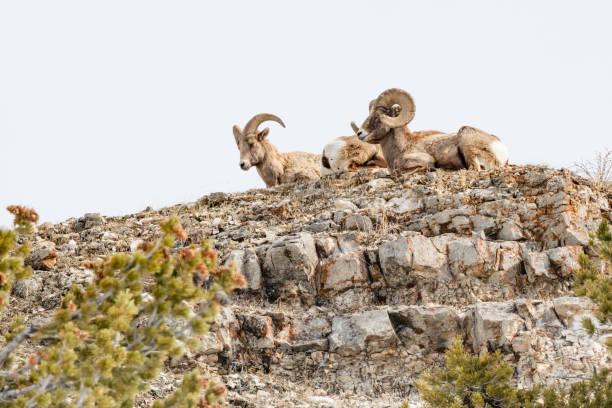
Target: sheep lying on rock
<point>387,123</point>
<point>348,153</point>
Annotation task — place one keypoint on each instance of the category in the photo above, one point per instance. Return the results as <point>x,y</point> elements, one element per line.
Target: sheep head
<point>250,141</point>
<point>394,108</point>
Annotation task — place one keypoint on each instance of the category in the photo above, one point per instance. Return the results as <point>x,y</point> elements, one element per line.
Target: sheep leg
<point>414,162</point>
<point>374,162</point>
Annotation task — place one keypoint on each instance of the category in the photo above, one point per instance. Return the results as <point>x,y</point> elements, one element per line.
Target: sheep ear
<point>237,133</point>
<point>262,135</point>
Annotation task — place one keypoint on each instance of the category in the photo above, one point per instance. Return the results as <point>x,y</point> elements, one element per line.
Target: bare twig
<point>12,394</point>
<point>598,170</point>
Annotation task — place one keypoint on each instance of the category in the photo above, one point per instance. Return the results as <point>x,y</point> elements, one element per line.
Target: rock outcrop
<point>358,283</point>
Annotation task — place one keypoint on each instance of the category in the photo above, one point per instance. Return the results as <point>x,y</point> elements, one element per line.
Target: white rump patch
<point>500,151</point>
<point>335,153</point>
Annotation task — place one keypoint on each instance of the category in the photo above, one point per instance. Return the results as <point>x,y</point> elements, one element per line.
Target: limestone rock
<point>571,310</point>
<point>510,232</point>
<point>404,205</point>
<point>485,255</point>
<point>43,256</point>
<point>358,222</point>
<point>259,330</point>
<point>379,183</point>
<point>472,257</point>
<point>536,263</point>
<point>431,327</point>
<point>88,221</point>
<point>26,288</point>
<point>291,259</point>
<point>414,254</point>
<point>369,331</point>
<point>310,334</point>
<point>247,263</point>
<point>564,259</point>
<point>343,271</point>
<point>495,325</point>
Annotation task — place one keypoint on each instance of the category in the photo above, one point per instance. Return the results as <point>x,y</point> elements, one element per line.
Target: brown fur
<point>404,150</point>
<point>355,155</point>
<point>273,167</point>
<point>475,145</point>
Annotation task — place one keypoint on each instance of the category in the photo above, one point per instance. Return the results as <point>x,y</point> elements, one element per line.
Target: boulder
<point>43,256</point>
<point>88,221</point>
<point>571,310</point>
<point>510,232</point>
<point>564,259</point>
<point>536,263</point>
<point>290,259</point>
<point>358,222</point>
<point>415,254</point>
<point>259,331</point>
<point>495,325</point>
<point>247,263</point>
<point>343,271</point>
<point>310,334</point>
<point>404,205</point>
<point>431,328</point>
<point>25,288</point>
<point>472,257</point>
<point>369,331</point>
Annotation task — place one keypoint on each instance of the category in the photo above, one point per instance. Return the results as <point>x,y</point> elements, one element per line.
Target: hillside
<point>358,283</point>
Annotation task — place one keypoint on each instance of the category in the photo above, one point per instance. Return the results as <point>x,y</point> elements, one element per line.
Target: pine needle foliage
<point>595,392</point>
<point>472,381</point>
<point>594,281</point>
<point>11,255</point>
<point>109,339</point>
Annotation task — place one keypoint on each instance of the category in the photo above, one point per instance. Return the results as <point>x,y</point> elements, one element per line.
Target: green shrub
<point>595,392</point>
<point>11,255</point>
<point>472,381</point>
<point>595,282</point>
<point>108,340</point>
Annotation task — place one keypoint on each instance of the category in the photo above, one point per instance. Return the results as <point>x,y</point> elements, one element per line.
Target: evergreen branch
<point>35,326</point>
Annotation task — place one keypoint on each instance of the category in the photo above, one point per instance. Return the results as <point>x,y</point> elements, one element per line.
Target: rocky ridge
<point>358,283</point>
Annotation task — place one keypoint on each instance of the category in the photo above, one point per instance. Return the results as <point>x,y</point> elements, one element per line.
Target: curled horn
<point>371,105</point>
<point>258,119</point>
<point>396,96</point>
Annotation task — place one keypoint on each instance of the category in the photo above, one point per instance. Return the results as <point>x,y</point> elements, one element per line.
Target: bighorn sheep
<point>273,167</point>
<point>348,153</point>
<point>469,148</point>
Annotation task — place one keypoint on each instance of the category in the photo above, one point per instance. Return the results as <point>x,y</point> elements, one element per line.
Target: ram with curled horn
<point>273,167</point>
<point>404,150</point>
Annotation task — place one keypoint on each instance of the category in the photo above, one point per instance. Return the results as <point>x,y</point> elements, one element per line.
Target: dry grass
<point>598,170</point>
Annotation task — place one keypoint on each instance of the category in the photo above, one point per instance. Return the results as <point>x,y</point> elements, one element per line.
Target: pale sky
<point>110,106</point>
